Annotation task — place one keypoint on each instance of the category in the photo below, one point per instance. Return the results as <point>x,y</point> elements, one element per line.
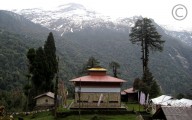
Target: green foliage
<point>145,33</point>
<point>136,83</point>
<point>13,100</point>
<point>148,86</point>
<point>96,117</point>
<point>50,53</point>
<point>144,87</point>
<point>36,116</point>
<point>186,95</point>
<point>103,117</point>
<point>154,90</point>
<point>49,116</point>
<point>43,65</point>
<point>26,89</point>
<point>147,77</point>
<point>134,107</point>
<point>91,63</point>
<point>31,57</point>
<point>180,96</point>
<point>114,66</point>
<point>13,67</point>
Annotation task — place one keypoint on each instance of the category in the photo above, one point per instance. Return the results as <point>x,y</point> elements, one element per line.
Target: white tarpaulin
<point>169,101</point>
<point>161,99</point>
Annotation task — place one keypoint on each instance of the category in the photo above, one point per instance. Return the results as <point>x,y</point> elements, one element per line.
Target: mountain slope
<point>108,41</point>
<point>18,24</point>
<point>171,68</point>
<point>184,36</point>
<point>17,35</point>
<point>12,60</point>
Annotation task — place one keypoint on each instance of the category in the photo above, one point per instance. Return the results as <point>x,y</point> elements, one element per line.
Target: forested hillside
<point>12,60</point>
<point>172,67</point>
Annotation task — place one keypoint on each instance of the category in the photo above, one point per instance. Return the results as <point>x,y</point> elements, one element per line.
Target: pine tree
<point>136,84</point>
<point>40,71</point>
<point>145,33</point>
<point>50,53</point>
<point>43,65</point>
<point>114,66</point>
<point>91,63</point>
<point>154,90</point>
<point>31,57</point>
<point>147,77</point>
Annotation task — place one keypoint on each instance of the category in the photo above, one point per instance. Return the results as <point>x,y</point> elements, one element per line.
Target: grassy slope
<point>49,116</point>
<point>101,117</point>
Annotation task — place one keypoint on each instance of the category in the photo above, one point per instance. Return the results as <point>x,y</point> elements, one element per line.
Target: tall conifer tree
<point>43,65</point>
<point>145,33</point>
<point>114,66</point>
<point>50,53</point>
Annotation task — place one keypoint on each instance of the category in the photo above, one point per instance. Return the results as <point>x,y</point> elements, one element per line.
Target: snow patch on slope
<point>182,59</point>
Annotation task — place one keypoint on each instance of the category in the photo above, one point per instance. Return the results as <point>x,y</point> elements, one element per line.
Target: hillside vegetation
<point>172,68</point>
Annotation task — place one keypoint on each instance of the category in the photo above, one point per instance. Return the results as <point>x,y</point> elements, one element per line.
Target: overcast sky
<point>159,10</point>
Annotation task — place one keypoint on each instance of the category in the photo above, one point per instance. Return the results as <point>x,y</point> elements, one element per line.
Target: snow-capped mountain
<point>72,17</point>
<point>75,17</point>
<point>184,36</point>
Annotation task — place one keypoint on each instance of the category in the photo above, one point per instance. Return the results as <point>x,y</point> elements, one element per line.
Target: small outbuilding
<point>45,100</point>
<point>129,95</point>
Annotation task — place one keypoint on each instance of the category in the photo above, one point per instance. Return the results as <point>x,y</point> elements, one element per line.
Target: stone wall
<point>45,100</point>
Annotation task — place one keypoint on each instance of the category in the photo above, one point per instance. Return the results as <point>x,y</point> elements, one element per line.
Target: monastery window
<point>82,101</point>
<point>113,101</point>
<point>97,101</point>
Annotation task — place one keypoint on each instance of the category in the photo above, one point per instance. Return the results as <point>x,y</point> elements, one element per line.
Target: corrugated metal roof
<point>177,113</point>
<point>97,79</point>
<point>173,113</point>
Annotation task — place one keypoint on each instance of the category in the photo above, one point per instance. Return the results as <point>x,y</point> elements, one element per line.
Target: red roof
<point>123,93</point>
<point>130,90</point>
<point>104,78</point>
